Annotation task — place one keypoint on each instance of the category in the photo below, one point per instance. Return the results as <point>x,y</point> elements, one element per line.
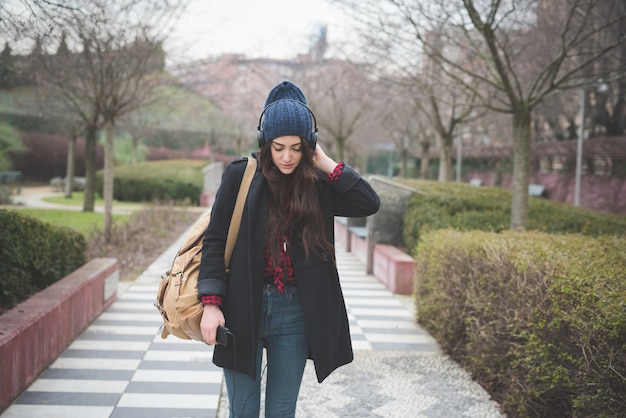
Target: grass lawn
<point>83,222</point>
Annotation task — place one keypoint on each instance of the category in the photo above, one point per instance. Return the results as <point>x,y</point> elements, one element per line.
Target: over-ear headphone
<point>312,140</point>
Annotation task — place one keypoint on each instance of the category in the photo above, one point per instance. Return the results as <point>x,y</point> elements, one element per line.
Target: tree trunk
<point>404,156</point>
<point>445,157</point>
<point>425,163</point>
<point>108,181</point>
<point>616,125</point>
<point>521,169</point>
<point>90,169</point>
<point>133,155</point>
<point>69,170</point>
<point>340,149</point>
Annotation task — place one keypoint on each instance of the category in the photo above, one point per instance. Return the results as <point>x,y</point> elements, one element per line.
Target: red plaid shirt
<point>283,273</point>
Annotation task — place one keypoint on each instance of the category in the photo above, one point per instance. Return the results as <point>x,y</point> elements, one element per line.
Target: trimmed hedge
<point>464,207</point>
<point>34,254</point>
<point>157,181</point>
<point>539,320</point>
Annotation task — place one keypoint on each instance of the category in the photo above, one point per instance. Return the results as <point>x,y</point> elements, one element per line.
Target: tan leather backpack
<point>177,296</point>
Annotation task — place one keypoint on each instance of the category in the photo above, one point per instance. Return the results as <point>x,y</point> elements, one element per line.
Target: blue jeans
<point>282,331</point>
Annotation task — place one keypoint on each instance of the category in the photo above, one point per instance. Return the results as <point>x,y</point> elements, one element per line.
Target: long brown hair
<point>303,211</point>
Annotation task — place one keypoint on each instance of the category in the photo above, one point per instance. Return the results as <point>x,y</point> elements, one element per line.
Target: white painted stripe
<point>384,301</point>
<point>361,345</point>
<point>175,340</point>
<point>95,363</point>
<point>351,269</point>
<point>400,338</point>
<point>133,306</point>
<point>177,376</point>
<point>355,330</point>
<point>78,386</point>
<point>114,329</point>
<point>367,293</point>
<point>359,284</point>
<point>163,355</point>
<point>113,316</point>
<point>140,296</point>
<point>380,312</point>
<point>57,411</point>
<point>164,400</point>
<point>110,345</point>
<point>147,288</point>
<point>379,323</point>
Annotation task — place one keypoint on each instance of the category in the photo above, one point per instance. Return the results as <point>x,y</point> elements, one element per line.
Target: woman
<point>282,292</point>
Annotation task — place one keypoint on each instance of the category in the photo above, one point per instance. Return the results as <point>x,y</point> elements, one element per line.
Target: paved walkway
<point>33,197</point>
<point>120,367</point>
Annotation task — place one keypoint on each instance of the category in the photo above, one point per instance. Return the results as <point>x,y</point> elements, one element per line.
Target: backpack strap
<point>235,221</point>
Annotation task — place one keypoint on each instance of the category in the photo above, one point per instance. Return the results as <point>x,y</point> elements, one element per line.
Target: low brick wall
<point>341,230</point>
<point>35,332</point>
<point>358,242</point>
<point>394,268</point>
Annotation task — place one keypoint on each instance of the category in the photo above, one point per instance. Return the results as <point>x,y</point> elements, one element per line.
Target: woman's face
<point>286,153</point>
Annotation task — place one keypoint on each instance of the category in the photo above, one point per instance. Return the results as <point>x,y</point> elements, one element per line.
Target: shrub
<point>539,320</point>
<point>34,255</point>
<point>464,207</point>
<point>162,181</point>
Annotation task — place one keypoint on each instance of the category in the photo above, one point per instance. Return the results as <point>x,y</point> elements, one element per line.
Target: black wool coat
<point>317,279</point>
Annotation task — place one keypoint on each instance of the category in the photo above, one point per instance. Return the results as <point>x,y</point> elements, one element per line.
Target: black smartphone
<point>222,335</point>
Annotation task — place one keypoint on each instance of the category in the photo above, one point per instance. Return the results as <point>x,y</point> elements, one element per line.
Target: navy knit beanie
<point>285,90</point>
<point>286,117</point>
<point>286,113</point>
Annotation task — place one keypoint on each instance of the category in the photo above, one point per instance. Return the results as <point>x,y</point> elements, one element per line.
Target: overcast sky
<point>257,28</point>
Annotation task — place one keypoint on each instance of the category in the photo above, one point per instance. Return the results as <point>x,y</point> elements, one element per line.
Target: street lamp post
<point>459,157</point>
<point>579,147</point>
<point>601,87</point>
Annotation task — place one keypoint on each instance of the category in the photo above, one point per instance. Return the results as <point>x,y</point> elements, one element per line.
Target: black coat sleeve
<point>353,195</point>
<point>212,276</point>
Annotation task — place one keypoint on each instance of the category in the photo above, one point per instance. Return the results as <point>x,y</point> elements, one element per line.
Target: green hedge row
<point>157,181</point>
<point>464,207</point>
<point>539,320</point>
<point>34,254</point>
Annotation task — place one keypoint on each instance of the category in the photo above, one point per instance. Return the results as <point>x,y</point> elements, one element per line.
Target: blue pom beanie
<point>286,113</point>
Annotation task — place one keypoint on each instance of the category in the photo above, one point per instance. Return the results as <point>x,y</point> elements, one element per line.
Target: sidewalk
<point>120,367</point>
<point>33,197</point>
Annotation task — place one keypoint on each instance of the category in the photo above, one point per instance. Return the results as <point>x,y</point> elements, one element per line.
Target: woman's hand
<point>323,161</point>
<point>212,317</point>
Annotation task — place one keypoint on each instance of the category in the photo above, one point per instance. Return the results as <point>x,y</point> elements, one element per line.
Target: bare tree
<point>401,120</point>
<point>57,77</point>
<point>500,52</point>
<point>400,59</point>
<point>124,57</point>
<point>64,118</point>
<point>18,15</point>
<point>341,95</point>
<point>113,70</point>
